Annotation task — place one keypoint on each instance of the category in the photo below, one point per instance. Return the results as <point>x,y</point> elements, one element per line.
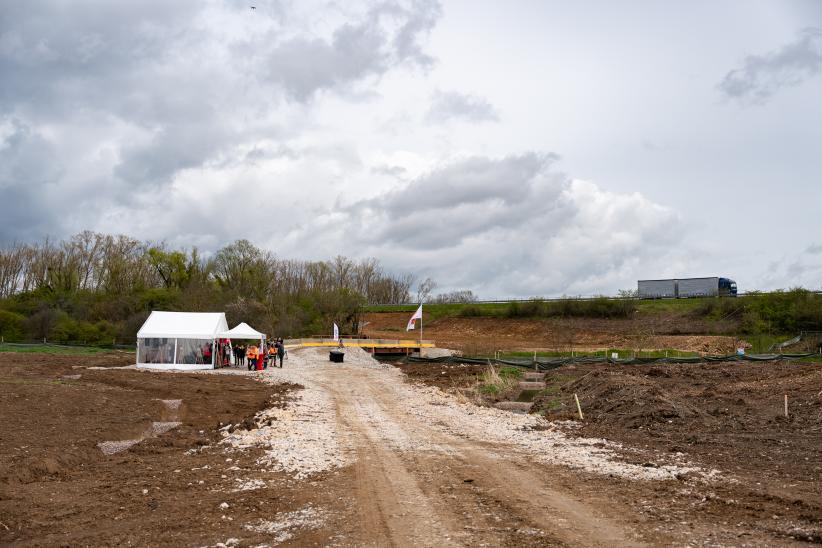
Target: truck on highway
<point>683,288</point>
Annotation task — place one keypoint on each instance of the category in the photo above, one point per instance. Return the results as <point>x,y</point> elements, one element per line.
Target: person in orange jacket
<point>251,356</point>
<point>272,355</point>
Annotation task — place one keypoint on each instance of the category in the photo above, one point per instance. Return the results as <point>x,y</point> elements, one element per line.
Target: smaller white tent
<point>179,340</point>
<point>242,331</point>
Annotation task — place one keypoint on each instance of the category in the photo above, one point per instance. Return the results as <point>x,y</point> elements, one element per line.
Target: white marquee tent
<point>180,340</point>
<point>242,331</point>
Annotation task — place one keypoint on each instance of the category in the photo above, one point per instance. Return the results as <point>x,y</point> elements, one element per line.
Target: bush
<point>11,325</point>
<point>470,311</point>
<point>600,307</point>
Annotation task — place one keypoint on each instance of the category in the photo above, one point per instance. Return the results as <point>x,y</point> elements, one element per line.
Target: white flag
<point>413,321</point>
<point>336,332</point>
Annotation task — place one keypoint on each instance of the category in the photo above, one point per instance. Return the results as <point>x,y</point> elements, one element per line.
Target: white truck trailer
<point>683,288</point>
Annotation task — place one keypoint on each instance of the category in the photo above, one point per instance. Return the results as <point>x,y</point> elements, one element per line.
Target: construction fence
<point>542,364</point>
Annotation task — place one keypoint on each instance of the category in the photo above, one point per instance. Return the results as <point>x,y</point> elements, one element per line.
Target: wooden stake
<point>581,417</point>
<point>786,406</point>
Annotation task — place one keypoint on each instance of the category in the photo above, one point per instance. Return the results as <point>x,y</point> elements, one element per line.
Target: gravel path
<point>400,438</point>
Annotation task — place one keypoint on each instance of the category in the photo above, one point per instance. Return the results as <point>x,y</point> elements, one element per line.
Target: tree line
<point>97,288</point>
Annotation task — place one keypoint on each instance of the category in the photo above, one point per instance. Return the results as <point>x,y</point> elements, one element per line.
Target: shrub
<point>470,311</point>
<point>11,325</point>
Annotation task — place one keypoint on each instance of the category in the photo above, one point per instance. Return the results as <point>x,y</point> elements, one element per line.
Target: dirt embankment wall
<point>485,335</point>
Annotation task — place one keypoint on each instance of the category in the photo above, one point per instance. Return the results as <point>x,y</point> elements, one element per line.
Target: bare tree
<point>424,290</point>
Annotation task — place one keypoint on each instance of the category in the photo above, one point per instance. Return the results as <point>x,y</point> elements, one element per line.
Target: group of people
<point>259,357</point>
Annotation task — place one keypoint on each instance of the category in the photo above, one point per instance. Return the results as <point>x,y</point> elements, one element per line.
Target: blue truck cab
<point>727,287</point>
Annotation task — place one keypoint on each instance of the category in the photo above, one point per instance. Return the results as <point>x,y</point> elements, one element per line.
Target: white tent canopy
<point>187,325</point>
<point>242,331</point>
<point>179,340</point>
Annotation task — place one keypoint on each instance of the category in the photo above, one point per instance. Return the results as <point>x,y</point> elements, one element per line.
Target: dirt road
<point>429,471</point>
<point>404,466</point>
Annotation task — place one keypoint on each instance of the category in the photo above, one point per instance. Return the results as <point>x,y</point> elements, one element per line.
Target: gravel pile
<point>286,524</point>
<point>113,447</point>
<point>158,428</point>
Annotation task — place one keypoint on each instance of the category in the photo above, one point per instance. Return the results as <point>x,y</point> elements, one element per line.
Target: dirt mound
<point>627,401</point>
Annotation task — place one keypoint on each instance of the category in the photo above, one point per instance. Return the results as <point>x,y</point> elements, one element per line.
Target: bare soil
<point>58,488</point>
<point>485,335</point>
<point>417,468</point>
<point>724,416</point>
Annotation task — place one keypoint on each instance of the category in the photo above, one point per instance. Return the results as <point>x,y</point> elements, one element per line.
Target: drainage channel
<point>532,384</point>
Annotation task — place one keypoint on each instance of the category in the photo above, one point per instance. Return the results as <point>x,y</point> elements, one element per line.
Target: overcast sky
<point>510,148</point>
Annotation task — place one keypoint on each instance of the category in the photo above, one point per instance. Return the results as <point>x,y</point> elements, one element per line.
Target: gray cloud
<point>502,226</point>
<point>447,106</point>
<point>387,37</point>
<point>121,100</point>
<point>761,76</point>
<point>814,249</point>
<point>28,175</point>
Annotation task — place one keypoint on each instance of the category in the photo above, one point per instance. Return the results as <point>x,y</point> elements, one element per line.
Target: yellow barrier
<point>362,343</point>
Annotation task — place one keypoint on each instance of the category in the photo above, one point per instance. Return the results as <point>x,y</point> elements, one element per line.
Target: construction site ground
<point>481,335</point>
<point>363,454</point>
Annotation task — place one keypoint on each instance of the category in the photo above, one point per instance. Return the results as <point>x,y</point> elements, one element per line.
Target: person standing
<point>242,355</point>
<point>280,351</point>
<point>251,356</point>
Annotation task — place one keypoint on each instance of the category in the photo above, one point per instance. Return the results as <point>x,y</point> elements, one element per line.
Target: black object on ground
<point>336,356</point>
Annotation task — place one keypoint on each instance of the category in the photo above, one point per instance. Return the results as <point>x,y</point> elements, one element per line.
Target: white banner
<point>412,323</point>
<point>336,332</point>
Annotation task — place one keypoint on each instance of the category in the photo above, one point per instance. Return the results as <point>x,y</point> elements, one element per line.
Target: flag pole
<point>420,329</point>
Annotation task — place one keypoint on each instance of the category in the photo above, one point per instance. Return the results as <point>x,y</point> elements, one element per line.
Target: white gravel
<point>540,440</point>
<point>114,447</point>
<point>306,438</point>
<point>286,524</point>
<point>302,439</point>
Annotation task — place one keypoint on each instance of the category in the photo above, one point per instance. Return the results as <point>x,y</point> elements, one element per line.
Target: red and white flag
<point>413,321</point>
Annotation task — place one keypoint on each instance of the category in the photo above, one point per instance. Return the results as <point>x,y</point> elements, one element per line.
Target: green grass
<point>502,310</point>
<point>436,311</point>
<point>495,381</point>
<point>51,349</point>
